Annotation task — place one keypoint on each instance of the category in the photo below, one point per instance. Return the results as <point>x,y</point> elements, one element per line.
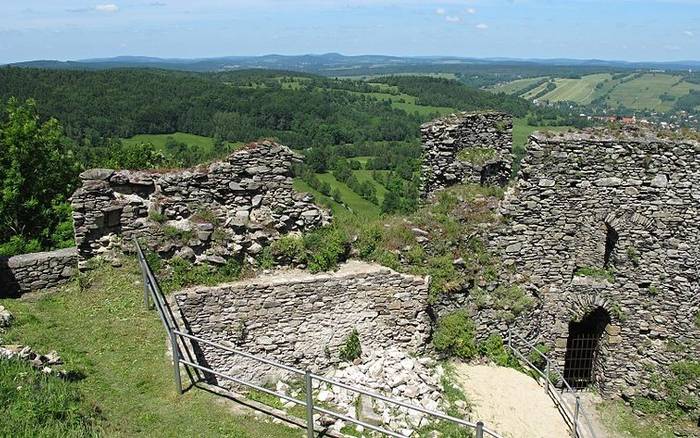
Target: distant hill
<point>335,64</point>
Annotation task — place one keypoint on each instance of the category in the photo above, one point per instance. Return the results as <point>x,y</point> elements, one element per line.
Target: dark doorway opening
<point>582,348</point>
<point>611,238</point>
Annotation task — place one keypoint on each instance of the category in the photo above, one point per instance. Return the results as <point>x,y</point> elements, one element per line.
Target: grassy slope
<point>158,140</point>
<point>621,418</point>
<point>639,93</point>
<point>339,211</point>
<point>514,87</point>
<point>107,335</point>
<point>576,90</point>
<point>366,175</point>
<point>359,205</point>
<point>409,104</point>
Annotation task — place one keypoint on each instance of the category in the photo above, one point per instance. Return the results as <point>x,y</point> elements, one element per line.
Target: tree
<point>38,172</point>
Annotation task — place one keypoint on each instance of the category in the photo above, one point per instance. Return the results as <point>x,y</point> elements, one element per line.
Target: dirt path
<point>510,402</point>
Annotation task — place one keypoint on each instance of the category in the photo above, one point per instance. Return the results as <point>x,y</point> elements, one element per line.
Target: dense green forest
<point>361,138</point>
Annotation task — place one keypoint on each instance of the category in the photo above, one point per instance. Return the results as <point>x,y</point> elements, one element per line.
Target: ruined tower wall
<point>467,148</point>
<point>228,208</point>
<point>303,320</point>
<point>590,206</point>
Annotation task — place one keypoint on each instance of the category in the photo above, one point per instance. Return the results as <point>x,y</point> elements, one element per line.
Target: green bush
<point>19,245</point>
<point>352,349</point>
<point>181,273</point>
<point>536,359</point>
<point>288,248</point>
<point>454,335</point>
<point>494,349</point>
<point>369,239</point>
<point>36,404</point>
<point>325,248</point>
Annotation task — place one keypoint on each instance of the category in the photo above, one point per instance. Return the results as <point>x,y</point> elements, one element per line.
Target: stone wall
<point>30,272</point>
<point>610,220</point>
<point>205,214</point>
<point>303,320</point>
<point>467,147</point>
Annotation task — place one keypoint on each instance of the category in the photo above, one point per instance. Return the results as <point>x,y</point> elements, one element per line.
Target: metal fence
<point>575,417</point>
<point>153,297</point>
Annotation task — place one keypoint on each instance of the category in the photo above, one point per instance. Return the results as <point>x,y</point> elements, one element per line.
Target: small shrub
<point>368,241</point>
<point>536,359</point>
<point>206,215</point>
<point>511,301</point>
<point>265,260</point>
<point>633,255</point>
<point>476,156</point>
<point>289,249</point>
<point>352,348</point>
<point>603,274</point>
<point>19,245</point>
<point>157,216</point>
<point>494,349</point>
<point>177,234</point>
<point>454,335</point>
<point>325,248</point>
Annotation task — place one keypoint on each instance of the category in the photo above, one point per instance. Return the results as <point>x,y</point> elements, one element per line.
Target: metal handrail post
<point>510,344</point>
<point>176,361</point>
<point>547,377</point>
<point>479,429</point>
<point>576,411</point>
<point>309,404</point>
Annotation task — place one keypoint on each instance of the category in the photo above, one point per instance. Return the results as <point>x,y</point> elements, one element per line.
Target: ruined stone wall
<point>205,214</point>
<point>467,147</point>
<point>30,272</point>
<point>303,320</point>
<point>619,205</point>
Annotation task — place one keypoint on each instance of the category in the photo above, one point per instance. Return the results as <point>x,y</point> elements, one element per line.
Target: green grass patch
<point>476,156</point>
<point>600,273</point>
<point>104,333</point>
<point>33,403</point>
<point>358,205</point>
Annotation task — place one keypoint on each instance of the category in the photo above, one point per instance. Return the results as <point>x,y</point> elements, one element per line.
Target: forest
<point>81,118</point>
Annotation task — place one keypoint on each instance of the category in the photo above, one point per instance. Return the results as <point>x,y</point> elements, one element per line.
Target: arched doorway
<point>583,347</point>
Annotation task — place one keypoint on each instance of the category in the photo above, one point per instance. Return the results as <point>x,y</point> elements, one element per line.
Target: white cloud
<point>471,11</point>
<point>440,11</point>
<point>453,19</point>
<point>482,26</point>
<point>111,7</point>
<point>690,33</point>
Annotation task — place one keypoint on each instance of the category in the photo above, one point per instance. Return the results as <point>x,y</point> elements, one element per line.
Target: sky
<point>633,30</point>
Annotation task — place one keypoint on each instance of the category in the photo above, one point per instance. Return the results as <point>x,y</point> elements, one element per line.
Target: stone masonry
<point>467,148</point>
<point>30,272</point>
<point>609,220</point>
<point>303,320</point>
<point>206,214</point>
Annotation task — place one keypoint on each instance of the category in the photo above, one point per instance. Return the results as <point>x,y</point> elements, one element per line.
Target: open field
<point>159,140</point>
<point>355,202</point>
<point>521,131</point>
<point>117,349</point>
<point>637,91</point>
<point>407,103</point>
<point>516,86</point>
<point>645,92</point>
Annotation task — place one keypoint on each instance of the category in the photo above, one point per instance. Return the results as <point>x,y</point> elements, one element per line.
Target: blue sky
<point>654,30</point>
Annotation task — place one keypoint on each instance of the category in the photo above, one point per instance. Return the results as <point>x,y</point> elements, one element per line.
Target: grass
<point>516,86</point>
<point>366,175</point>
<point>621,418</point>
<point>36,404</point>
<point>360,206</point>
<point>521,130</point>
<point>644,92</point>
<point>407,103</point>
<point>105,334</point>
<point>158,140</point>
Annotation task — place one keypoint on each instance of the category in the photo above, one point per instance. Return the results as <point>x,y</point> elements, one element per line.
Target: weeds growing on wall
<point>678,389</point>
<point>352,349</point>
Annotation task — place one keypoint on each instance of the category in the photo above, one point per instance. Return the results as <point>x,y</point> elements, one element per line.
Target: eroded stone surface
<point>31,272</point>
<point>208,213</point>
<point>467,148</point>
<point>303,320</point>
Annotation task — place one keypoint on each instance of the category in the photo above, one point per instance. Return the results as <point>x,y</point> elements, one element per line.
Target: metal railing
<point>153,297</point>
<point>576,418</point>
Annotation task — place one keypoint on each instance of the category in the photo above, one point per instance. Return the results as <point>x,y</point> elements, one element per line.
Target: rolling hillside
<point>650,91</point>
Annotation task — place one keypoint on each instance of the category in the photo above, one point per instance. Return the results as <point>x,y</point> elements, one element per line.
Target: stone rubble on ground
<point>5,318</point>
<point>390,372</point>
<point>43,362</point>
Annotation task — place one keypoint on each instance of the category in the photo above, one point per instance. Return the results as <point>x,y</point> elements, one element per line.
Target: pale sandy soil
<point>510,402</point>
